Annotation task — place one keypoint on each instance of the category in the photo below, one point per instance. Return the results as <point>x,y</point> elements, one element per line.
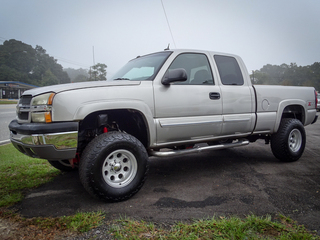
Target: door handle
<point>214,96</point>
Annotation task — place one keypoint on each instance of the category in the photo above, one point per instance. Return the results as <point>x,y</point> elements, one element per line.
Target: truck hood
<point>81,85</point>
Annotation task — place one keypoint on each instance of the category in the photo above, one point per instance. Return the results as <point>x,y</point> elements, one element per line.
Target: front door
<point>188,110</point>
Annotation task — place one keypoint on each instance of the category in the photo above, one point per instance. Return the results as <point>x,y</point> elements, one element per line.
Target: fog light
<point>41,117</point>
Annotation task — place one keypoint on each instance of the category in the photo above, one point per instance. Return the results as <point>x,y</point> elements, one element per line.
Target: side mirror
<point>174,75</point>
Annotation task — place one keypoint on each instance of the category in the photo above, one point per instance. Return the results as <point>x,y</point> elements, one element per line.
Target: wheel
<point>289,142</point>
<point>113,166</point>
<point>62,165</point>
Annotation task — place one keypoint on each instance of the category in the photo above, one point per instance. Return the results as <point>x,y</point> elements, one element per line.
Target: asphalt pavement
<point>237,181</point>
<point>7,114</point>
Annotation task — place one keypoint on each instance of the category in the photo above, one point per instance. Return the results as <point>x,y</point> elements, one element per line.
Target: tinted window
<point>196,66</point>
<point>229,70</point>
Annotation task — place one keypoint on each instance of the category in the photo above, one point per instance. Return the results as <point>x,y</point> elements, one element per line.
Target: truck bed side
<point>275,102</point>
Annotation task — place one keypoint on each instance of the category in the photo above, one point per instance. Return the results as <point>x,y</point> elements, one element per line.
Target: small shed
<point>13,90</point>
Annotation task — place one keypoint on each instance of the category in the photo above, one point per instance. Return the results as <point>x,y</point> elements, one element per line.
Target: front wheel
<point>289,142</point>
<point>113,167</point>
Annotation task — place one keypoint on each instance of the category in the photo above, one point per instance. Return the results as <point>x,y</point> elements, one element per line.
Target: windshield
<point>142,68</point>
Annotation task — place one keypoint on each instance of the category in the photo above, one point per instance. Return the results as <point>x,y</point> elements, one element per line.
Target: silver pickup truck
<point>161,104</point>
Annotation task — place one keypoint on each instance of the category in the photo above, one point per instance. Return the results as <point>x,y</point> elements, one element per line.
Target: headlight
<point>44,99</point>
<point>41,108</point>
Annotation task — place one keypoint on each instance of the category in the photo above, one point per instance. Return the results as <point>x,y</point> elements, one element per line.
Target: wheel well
<point>124,120</point>
<point>294,111</point>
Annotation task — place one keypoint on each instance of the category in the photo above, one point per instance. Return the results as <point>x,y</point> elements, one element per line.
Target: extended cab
<point>161,104</point>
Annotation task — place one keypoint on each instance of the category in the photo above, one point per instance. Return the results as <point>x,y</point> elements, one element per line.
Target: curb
<point>5,142</point>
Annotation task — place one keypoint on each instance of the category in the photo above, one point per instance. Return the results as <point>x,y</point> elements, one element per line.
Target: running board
<point>198,149</point>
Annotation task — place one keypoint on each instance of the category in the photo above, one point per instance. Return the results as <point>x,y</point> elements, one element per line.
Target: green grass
<point>8,102</point>
<point>19,172</point>
<point>252,227</point>
<point>80,222</point>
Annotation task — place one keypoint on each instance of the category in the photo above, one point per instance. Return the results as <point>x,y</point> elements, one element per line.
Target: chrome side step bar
<point>198,149</point>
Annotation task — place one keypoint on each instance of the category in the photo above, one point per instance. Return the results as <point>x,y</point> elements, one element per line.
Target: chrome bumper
<point>45,144</point>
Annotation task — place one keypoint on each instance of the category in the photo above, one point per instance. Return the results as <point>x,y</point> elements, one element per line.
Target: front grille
<point>23,115</point>
<point>25,100</point>
<point>23,107</point>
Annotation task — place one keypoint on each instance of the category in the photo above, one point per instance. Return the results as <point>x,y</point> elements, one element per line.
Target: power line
<point>2,39</point>
<point>71,62</point>
<point>164,10</point>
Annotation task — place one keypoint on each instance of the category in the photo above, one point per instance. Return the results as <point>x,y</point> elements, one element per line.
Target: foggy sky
<point>261,32</point>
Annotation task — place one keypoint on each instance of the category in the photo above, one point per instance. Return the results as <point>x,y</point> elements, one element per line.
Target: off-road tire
<point>289,142</point>
<point>114,166</point>
<point>62,165</point>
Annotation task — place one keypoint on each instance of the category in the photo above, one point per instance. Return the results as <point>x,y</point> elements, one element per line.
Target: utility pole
<point>93,55</point>
<point>95,74</point>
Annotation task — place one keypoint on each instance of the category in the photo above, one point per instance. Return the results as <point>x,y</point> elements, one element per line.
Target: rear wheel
<point>289,142</point>
<point>113,166</point>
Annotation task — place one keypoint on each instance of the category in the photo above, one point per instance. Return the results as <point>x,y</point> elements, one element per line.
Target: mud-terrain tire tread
<point>279,140</point>
<point>97,148</point>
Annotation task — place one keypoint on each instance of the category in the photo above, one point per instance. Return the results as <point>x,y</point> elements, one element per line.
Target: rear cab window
<point>229,70</point>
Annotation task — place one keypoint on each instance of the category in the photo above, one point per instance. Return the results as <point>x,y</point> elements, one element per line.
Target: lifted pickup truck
<point>161,104</point>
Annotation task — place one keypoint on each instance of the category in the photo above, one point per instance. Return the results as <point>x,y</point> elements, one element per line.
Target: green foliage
<point>18,172</point>
<point>252,227</point>
<point>288,75</point>
<point>98,72</point>
<point>20,62</point>
<point>77,75</point>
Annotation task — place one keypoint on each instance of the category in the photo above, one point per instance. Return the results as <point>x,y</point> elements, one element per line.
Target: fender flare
<point>91,107</point>
<point>285,103</point>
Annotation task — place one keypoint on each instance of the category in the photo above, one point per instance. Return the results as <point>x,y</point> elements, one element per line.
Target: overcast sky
<point>261,32</point>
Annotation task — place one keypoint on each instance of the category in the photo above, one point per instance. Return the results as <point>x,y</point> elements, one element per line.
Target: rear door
<point>237,96</point>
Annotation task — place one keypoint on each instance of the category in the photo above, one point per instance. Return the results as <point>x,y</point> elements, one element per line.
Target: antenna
<point>164,10</point>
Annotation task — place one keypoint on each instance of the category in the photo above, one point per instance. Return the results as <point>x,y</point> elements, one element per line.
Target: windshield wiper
<point>121,79</point>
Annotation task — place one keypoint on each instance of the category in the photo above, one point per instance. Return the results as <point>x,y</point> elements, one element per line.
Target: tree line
<point>288,75</point>
<point>21,62</point>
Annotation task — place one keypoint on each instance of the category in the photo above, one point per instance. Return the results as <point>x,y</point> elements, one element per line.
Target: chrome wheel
<point>295,140</point>
<point>119,168</point>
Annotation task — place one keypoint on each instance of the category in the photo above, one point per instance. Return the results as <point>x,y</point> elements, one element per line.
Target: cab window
<point>229,70</point>
<point>197,68</point>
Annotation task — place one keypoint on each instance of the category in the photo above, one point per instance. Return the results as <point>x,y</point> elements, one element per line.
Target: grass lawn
<point>250,227</point>
<point>19,172</point>
<point>8,101</point>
